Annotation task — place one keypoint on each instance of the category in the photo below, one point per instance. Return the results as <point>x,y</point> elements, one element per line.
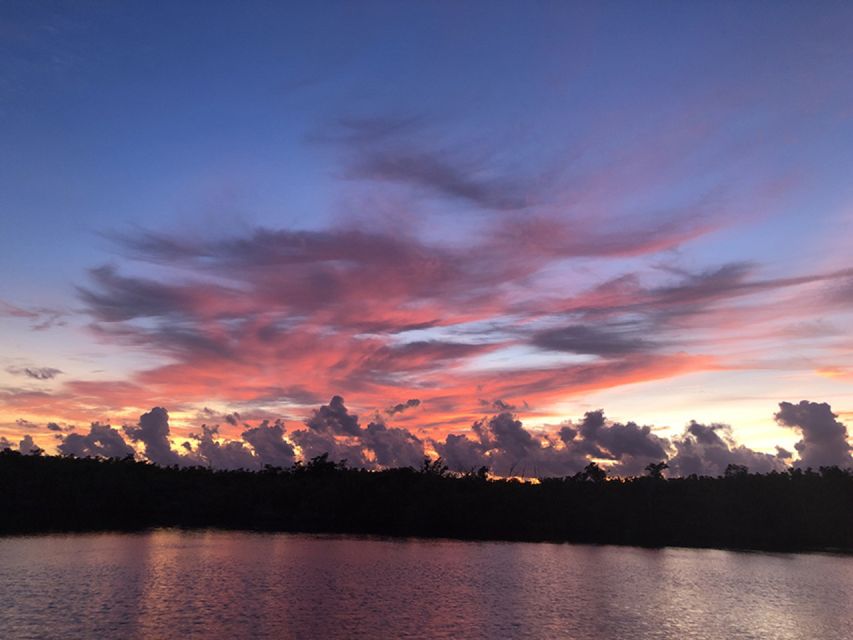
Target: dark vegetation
<point>795,510</point>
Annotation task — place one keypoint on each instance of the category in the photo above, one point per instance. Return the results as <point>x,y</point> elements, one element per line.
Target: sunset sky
<point>509,212</point>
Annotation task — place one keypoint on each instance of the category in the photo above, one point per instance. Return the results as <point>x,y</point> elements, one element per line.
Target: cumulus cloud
<point>506,434</point>
<point>102,441</point>
<point>629,445</point>
<point>313,444</point>
<point>625,449</point>
<point>334,418</point>
<point>500,442</point>
<point>391,446</point>
<point>461,453</point>
<point>824,438</point>
<point>229,454</point>
<point>709,449</point>
<point>268,442</point>
<point>334,430</point>
<point>783,454</point>
<point>28,446</point>
<point>153,433</point>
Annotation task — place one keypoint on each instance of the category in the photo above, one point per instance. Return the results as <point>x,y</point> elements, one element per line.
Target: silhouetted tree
<point>736,471</point>
<point>656,469</point>
<point>594,473</point>
<point>797,509</point>
<point>434,467</point>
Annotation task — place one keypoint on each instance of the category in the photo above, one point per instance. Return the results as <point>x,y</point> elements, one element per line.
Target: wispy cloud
<point>40,318</point>
<point>36,373</point>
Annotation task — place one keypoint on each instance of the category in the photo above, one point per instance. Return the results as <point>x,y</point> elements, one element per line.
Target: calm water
<point>169,584</point>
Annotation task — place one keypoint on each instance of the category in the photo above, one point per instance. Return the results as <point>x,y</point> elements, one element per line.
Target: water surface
<point>172,584</point>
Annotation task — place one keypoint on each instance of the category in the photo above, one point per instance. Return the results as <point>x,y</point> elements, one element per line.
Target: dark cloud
<point>707,450</point>
<point>783,454</point>
<point>153,432</point>
<point>690,294</point>
<point>334,419</point>
<point>500,405</point>
<point>630,445</point>
<point>730,281</point>
<point>824,438</point>
<point>393,447</point>
<point>710,285</point>
<point>502,444</point>
<point>385,363</point>
<point>400,407</point>
<point>567,434</point>
<point>333,430</point>
<point>462,454</point>
<point>102,441</point>
<point>207,414</point>
<point>116,298</point>
<point>28,446</point>
<point>312,444</point>
<point>36,373</point>
<point>230,454</point>
<point>596,340</point>
<point>499,442</point>
<point>509,436</point>
<point>268,442</point>
<point>622,318</point>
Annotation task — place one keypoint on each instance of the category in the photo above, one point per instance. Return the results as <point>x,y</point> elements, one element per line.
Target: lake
<point>216,584</point>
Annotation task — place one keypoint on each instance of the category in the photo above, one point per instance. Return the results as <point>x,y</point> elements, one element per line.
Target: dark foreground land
<point>797,510</point>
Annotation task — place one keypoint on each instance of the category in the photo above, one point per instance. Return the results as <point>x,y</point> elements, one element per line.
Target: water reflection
<point>170,584</point>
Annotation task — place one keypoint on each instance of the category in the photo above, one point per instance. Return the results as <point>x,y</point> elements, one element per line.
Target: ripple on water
<point>209,584</point>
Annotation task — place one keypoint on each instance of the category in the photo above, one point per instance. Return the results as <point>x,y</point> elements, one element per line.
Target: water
<point>169,584</point>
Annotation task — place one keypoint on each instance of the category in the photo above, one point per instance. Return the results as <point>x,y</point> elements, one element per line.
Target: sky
<point>513,233</point>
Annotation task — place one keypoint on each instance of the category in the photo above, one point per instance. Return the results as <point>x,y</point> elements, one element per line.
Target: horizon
<point>477,226</point>
<point>500,444</point>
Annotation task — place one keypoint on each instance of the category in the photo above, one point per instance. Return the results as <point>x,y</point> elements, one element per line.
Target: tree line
<point>793,510</point>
